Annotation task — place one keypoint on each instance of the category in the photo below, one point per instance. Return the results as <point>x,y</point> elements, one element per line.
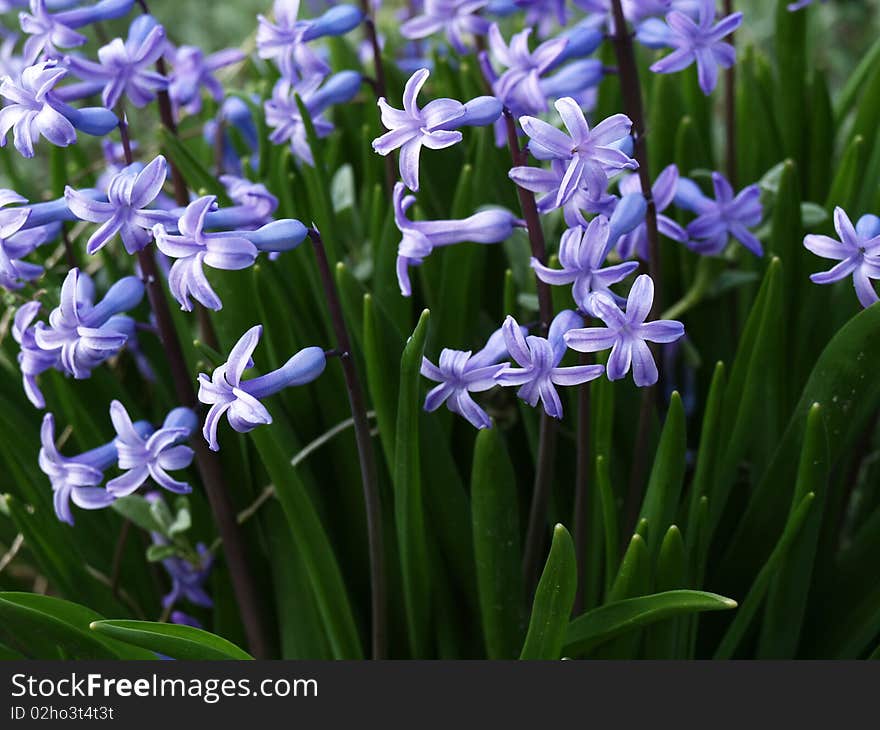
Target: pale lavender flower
<point>700,42</point>
<point>191,70</point>
<point>421,237</point>
<point>590,154</point>
<point>194,248</point>
<point>32,359</point>
<point>34,111</point>
<point>858,252</point>
<point>627,334</point>
<point>151,455</point>
<point>227,393</point>
<point>74,478</point>
<point>82,334</point>
<point>717,220</point>
<point>582,253</point>
<point>234,113</point>
<point>125,211</point>
<point>539,372</point>
<point>635,243</point>
<point>253,196</point>
<point>127,67</point>
<point>455,17</point>
<point>461,373</point>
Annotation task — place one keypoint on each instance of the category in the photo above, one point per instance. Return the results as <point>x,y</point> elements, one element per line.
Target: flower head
<point>455,17</point>
<point>539,372</point>
<point>858,252</point>
<point>635,243</point>
<point>238,399</point>
<point>125,211</point>
<point>461,373</point>
<point>700,42</point>
<point>627,333</point>
<point>151,455</point>
<point>191,70</point>
<point>253,196</point>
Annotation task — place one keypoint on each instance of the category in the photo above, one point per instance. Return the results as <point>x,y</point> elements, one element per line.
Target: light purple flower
<point>717,220</point>
<point>15,244</point>
<point>251,195</point>
<point>858,252</point>
<point>635,243</point>
<point>539,372</point>
<point>151,455</point>
<point>74,478</point>
<point>126,67</point>
<point>700,42</point>
<point>455,17</point>
<point>627,334</point>
<point>239,399</point>
<point>194,248</point>
<point>590,154</point>
<point>32,359</point>
<point>582,252</point>
<point>125,212</point>
<point>34,111</point>
<point>421,237</point>
<point>461,373</point>
<point>191,70</point>
<point>83,335</point>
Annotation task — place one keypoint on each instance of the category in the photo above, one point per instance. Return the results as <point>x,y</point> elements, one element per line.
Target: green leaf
<point>609,518</point>
<point>174,640</point>
<point>856,82</point>
<point>408,503</point>
<point>791,57</point>
<point>553,602</point>
<point>846,185</point>
<point>597,627</point>
<point>664,487</point>
<point>661,641</point>
<point>497,545</point>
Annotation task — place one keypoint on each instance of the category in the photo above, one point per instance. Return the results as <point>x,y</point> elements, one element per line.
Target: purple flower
<point>76,478</point>
<point>187,578</point>
<point>455,17</point>
<point>410,128</point>
<point>126,67</point>
<point>800,4</point>
<point>228,394</point>
<point>858,252</point>
<point>635,243</point>
<point>191,70</point>
<point>15,244</point>
<point>230,250</point>
<point>539,372</point>
<point>582,252</point>
<point>83,335</point>
<point>700,42</point>
<point>125,212</point>
<point>590,154</point>
<point>234,113</point>
<point>462,373</point>
<point>31,358</point>
<point>151,455</point>
<point>51,31</point>
<point>627,334</point>
<point>421,237</point>
<point>34,111</point>
<point>718,219</point>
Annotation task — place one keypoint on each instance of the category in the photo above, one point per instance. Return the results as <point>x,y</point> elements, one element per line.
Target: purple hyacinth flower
<point>539,372</point>
<point>858,252</point>
<point>239,399</point>
<point>700,42</point>
<point>230,250</point>
<point>411,128</point>
<point>255,197</point>
<point>153,455</point>
<point>126,67</point>
<point>48,32</point>
<point>635,243</point>
<point>461,373</point>
<point>455,17</point>
<point>191,70</point>
<point>125,211</point>
<point>727,215</point>
<point>548,182</point>
<point>582,252</point>
<point>187,578</point>
<point>74,478</point>
<point>421,237</point>
<point>627,334</point>
<point>34,111</point>
<point>83,335</point>
<point>800,5</point>
<point>32,359</point>
<point>12,246</point>
<point>590,154</point>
